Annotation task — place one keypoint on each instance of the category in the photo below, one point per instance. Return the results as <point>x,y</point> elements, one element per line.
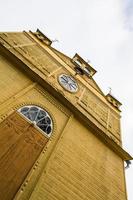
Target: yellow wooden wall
<point>10,80</point>
<point>49,64</point>
<point>75,164</point>
<point>81,167</point>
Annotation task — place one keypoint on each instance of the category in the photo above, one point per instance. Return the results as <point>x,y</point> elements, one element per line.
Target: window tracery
<point>39,117</point>
<point>68,82</point>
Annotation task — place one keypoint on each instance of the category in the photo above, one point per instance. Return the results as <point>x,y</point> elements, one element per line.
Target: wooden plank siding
<point>20,145</point>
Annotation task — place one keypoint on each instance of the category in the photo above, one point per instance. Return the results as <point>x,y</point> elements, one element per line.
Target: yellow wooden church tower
<point>60,136</point>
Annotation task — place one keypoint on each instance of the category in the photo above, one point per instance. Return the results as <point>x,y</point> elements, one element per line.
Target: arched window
<point>39,117</point>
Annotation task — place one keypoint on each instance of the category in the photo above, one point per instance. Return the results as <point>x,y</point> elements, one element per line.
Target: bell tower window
<point>82,67</point>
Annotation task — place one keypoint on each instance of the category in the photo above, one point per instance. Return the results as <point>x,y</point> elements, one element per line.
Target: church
<point>60,135</point>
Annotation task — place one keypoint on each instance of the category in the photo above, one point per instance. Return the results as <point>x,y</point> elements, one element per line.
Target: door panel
<point>20,145</point>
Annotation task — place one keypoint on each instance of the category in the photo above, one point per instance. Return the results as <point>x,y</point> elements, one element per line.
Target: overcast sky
<point>99,30</point>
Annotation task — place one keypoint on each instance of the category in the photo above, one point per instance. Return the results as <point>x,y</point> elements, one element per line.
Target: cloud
<point>101,31</point>
<point>128,10</point>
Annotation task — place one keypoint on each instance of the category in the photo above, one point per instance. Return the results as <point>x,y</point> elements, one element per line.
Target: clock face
<point>68,83</point>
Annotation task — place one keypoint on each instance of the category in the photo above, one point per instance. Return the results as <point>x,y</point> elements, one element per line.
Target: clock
<point>68,83</point>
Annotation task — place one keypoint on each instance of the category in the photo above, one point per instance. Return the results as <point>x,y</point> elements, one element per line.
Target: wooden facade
<point>83,159</point>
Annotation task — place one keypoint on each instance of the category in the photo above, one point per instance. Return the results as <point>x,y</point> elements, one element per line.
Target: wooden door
<point>20,145</point>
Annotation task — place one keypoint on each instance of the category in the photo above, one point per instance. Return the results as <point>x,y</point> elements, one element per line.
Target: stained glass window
<point>39,117</point>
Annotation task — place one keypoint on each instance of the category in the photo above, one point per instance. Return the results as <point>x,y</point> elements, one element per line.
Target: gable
<point>69,62</point>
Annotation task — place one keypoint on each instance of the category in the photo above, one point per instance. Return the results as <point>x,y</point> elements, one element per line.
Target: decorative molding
<point>101,112</point>
<point>11,100</point>
<point>53,100</point>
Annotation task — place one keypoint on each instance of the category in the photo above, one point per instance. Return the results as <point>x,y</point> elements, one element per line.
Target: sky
<point>100,31</point>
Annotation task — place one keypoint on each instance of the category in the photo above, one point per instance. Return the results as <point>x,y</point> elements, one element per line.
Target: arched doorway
<point>23,135</point>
